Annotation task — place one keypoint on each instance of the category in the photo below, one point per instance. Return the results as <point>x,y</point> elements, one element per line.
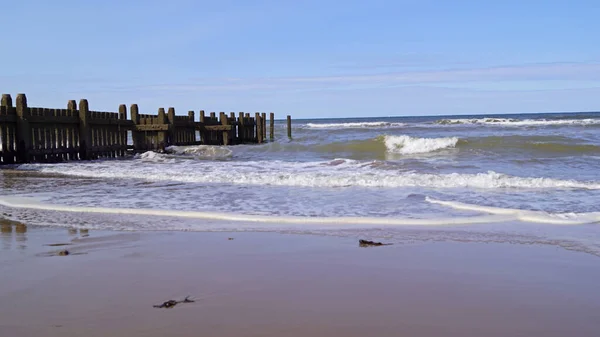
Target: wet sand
<point>265,284</point>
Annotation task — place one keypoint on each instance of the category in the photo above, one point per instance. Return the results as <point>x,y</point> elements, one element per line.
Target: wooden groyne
<point>32,134</point>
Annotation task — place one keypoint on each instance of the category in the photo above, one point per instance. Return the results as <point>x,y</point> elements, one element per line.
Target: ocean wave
<point>494,215</point>
<point>353,125</point>
<point>524,215</point>
<point>201,151</point>
<point>151,156</point>
<point>327,174</point>
<point>172,153</point>
<point>534,144</point>
<point>518,122</point>
<point>412,145</point>
<point>280,221</point>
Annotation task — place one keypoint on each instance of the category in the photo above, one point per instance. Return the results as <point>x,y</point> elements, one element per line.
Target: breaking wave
<point>411,145</point>
<point>494,214</point>
<point>525,215</point>
<point>182,152</point>
<point>353,125</point>
<point>328,174</point>
<point>519,122</point>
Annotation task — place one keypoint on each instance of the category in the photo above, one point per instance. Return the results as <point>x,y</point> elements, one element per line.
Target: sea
<point>515,179</point>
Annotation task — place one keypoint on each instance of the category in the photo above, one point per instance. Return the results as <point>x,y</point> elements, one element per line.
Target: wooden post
<point>249,128</point>
<point>232,122</point>
<point>121,132</point>
<point>271,126</point>
<point>263,119</point>
<point>241,129</point>
<point>226,133</point>
<point>6,101</point>
<point>172,138</point>
<point>203,133</point>
<point>162,135</point>
<point>212,135</point>
<point>191,135</point>
<point>23,130</point>
<point>85,134</point>
<point>289,126</point>
<point>135,118</point>
<point>7,133</point>
<point>73,137</point>
<point>259,128</point>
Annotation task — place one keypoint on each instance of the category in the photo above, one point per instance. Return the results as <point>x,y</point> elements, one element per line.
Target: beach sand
<point>267,284</point>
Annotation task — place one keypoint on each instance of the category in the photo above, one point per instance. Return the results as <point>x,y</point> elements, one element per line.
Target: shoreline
<point>269,284</point>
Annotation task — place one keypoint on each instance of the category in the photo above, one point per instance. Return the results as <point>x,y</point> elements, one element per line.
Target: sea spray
<point>508,122</point>
<point>404,144</point>
<point>353,125</point>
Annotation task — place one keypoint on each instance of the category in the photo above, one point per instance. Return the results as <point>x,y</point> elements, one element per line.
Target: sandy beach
<point>267,284</point>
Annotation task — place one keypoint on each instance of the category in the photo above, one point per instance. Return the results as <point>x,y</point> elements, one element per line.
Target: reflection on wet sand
<point>6,233</point>
<point>12,229</point>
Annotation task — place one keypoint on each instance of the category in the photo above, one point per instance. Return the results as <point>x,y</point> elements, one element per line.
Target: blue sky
<point>306,58</point>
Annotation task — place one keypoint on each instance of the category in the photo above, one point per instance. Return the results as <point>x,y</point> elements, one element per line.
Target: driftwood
<point>367,243</point>
<point>171,303</point>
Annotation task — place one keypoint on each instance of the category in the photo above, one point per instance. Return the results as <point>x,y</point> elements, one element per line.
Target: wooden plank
<point>53,119</point>
<point>8,119</point>
<point>215,128</point>
<point>152,127</point>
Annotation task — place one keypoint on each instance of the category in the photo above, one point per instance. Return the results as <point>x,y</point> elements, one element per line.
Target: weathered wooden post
<point>226,133</point>
<point>23,130</point>
<point>191,135</point>
<point>85,132</point>
<point>259,128</point>
<point>263,119</point>
<point>7,139</point>
<point>241,129</point>
<point>203,133</point>
<point>249,128</point>
<point>6,100</point>
<point>172,138</point>
<point>122,132</point>
<point>289,126</point>
<point>73,136</point>
<point>135,135</point>
<point>213,133</point>
<point>161,135</point>
<point>233,124</point>
<point>271,126</point>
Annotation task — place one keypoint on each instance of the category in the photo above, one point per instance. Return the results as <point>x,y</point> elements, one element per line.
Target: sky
<point>309,58</point>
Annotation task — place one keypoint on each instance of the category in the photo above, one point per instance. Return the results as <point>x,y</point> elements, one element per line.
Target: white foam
<point>497,215</point>
<point>355,125</point>
<point>201,151</point>
<point>525,215</point>
<point>150,156</point>
<point>346,173</point>
<point>520,122</point>
<point>411,145</point>
<point>30,203</point>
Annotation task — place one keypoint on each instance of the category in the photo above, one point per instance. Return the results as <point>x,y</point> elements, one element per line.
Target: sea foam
<point>518,122</point>
<point>412,145</point>
<point>495,215</point>
<point>201,151</point>
<point>353,125</point>
<point>327,174</point>
<point>525,215</point>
